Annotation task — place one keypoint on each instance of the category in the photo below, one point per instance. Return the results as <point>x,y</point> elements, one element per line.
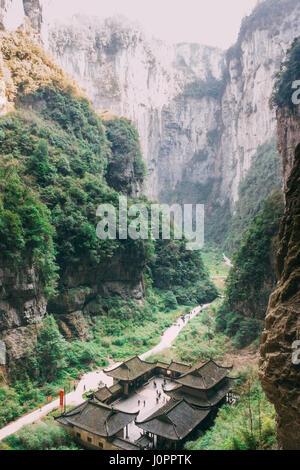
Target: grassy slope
<point>217,268</point>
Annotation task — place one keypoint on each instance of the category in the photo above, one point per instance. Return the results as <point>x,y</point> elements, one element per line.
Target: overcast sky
<point>212,22</point>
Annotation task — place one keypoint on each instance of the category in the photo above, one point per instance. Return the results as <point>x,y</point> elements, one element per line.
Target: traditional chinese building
<point>107,395</point>
<point>206,385</point>
<point>96,425</point>
<point>132,374</point>
<point>194,400</point>
<point>173,423</point>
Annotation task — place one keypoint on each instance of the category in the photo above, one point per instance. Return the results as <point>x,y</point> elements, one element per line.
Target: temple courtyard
<point>150,405</point>
<point>144,401</point>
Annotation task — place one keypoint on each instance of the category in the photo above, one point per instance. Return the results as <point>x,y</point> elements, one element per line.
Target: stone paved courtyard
<point>148,394</point>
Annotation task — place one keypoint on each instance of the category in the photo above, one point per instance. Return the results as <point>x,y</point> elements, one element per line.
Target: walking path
<point>227,261</point>
<point>91,380</point>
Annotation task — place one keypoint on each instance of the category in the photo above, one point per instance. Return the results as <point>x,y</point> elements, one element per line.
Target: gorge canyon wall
<point>201,112</point>
<point>279,375</point>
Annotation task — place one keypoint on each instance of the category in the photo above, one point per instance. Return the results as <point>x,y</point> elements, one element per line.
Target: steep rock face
<point>84,279</point>
<point>14,13</point>
<point>288,138</point>
<point>33,10</point>
<point>279,376</point>
<point>11,14</point>
<point>84,286</point>
<point>22,306</point>
<point>200,117</point>
<point>247,116</point>
<point>145,80</point>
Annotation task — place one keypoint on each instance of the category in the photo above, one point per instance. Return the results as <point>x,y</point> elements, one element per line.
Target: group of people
<point>185,318</point>
<point>139,403</point>
<point>159,396</point>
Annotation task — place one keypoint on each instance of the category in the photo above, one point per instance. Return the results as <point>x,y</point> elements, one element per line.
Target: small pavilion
<point>132,374</point>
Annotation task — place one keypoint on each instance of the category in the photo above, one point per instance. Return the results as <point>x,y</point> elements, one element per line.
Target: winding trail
<point>227,261</point>
<point>91,380</point>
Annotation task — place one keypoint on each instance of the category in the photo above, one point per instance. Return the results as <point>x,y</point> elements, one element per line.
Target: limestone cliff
<point>154,84</point>
<point>22,306</point>
<point>11,14</point>
<point>43,102</point>
<point>247,116</point>
<point>201,114</point>
<point>14,13</point>
<point>279,376</point>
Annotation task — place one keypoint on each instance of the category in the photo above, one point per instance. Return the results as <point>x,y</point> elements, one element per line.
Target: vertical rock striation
<point>280,377</point>
<point>11,14</point>
<point>151,83</point>
<point>201,114</point>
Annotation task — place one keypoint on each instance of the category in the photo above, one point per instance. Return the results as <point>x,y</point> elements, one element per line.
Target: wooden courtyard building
<point>132,374</point>
<point>135,372</point>
<point>96,426</point>
<point>206,385</point>
<point>197,394</point>
<point>172,424</point>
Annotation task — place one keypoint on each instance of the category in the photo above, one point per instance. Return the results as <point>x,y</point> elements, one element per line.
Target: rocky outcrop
<point>288,138</point>
<point>22,307</point>
<point>11,14</point>
<point>82,289</point>
<point>14,13</point>
<point>279,375</point>
<point>33,10</point>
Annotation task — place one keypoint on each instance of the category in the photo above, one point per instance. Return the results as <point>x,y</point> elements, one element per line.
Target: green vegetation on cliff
<point>289,73</point>
<point>125,164</point>
<point>263,178</point>
<point>25,228</point>
<point>252,278</point>
<point>173,268</point>
<point>58,163</point>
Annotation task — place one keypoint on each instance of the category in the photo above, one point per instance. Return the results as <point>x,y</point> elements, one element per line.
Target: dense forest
<point>59,162</point>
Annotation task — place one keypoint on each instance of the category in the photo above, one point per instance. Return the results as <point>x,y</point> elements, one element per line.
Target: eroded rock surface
<point>280,377</point>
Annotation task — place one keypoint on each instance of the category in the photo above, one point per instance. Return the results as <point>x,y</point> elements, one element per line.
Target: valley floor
<point>188,341</point>
<point>91,380</point>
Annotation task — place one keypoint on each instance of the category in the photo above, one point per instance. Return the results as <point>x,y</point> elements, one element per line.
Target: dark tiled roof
<point>131,369</point>
<point>206,398</point>
<point>204,377</point>
<point>102,394</point>
<point>125,445</point>
<point>115,388</point>
<point>97,418</point>
<point>162,365</point>
<point>144,441</point>
<point>174,421</point>
<point>179,367</point>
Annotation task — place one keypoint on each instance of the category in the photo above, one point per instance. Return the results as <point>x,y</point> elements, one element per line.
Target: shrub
<point>42,437</point>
